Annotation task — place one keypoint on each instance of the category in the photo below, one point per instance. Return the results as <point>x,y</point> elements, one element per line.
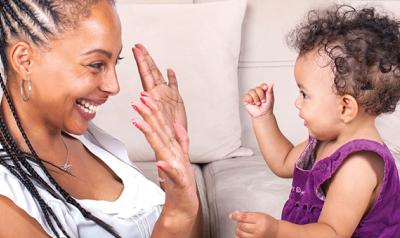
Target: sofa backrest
<point>265,57</point>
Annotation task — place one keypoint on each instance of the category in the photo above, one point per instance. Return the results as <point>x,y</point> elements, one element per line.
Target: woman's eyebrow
<point>108,54</point>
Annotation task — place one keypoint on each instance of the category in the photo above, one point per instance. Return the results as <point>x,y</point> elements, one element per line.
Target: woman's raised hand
<point>171,145</point>
<point>163,92</point>
<point>164,125</point>
<point>259,101</point>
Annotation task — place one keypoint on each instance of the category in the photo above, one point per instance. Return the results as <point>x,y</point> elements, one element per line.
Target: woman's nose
<point>110,83</point>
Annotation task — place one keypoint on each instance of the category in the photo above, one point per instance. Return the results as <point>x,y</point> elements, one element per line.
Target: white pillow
<point>201,42</point>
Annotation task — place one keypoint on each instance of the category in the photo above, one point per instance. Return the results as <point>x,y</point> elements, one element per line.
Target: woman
<point>61,176</point>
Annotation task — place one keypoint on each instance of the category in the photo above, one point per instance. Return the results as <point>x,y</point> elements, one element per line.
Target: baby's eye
<point>303,94</point>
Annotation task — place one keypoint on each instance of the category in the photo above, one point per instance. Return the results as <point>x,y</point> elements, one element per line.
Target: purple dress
<point>307,198</point>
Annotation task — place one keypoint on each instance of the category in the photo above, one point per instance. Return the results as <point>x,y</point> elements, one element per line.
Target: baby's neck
<point>362,127</point>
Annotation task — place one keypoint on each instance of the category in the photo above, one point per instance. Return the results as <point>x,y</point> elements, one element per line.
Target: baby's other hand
<point>254,225</point>
<point>259,101</point>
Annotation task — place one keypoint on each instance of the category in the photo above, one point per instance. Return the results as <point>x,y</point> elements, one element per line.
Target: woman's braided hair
<point>37,21</point>
<point>364,46</point>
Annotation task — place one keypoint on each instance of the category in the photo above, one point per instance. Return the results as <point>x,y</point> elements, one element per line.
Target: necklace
<point>66,167</point>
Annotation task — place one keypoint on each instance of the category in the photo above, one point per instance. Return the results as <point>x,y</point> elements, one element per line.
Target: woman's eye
<point>303,94</point>
<point>97,66</point>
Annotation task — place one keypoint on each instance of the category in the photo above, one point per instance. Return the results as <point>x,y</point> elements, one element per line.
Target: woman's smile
<point>88,108</point>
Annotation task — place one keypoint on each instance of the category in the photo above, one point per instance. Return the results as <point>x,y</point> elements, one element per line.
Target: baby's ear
<point>348,108</point>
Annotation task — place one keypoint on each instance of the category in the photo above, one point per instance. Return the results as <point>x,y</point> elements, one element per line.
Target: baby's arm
<point>277,150</point>
<point>350,194</point>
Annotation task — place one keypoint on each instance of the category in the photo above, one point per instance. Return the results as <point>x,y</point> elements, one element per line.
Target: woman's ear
<point>348,108</point>
<point>21,55</point>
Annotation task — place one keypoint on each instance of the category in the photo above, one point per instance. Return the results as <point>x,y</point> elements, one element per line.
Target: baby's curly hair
<point>364,46</point>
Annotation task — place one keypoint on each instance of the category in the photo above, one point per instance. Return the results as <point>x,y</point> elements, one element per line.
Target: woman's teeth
<point>87,106</point>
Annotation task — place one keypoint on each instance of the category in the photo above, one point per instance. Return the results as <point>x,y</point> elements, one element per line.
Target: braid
<point>50,9</point>
<point>20,167</point>
<point>23,177</point>
<point>7,21</point>
<point>12,150</point>
<point>28,11</point>
<point>9,10</point>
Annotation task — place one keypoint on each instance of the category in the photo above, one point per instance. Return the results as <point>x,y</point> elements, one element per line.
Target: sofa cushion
<point>150,171</point>
<point>245,184</point>
<point>205,57</point>
<point>388,126</point>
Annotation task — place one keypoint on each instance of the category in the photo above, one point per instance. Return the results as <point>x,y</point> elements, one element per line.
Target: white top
<point>133,214</point>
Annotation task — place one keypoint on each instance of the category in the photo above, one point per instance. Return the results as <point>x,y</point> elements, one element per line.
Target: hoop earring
<point>27,96</point>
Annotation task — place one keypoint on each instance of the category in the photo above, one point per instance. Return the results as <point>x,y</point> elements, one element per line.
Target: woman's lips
<point>87,108</point>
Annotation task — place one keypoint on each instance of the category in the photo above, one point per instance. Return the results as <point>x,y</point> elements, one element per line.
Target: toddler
<point>345,182</point>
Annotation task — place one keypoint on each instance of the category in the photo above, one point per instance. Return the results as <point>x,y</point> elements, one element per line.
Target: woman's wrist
<point>175,224</point>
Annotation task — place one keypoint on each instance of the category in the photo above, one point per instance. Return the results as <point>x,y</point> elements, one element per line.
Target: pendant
<point>66,167</point>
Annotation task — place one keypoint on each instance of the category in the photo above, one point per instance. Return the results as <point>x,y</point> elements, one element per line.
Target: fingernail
<point>144,94</point>
<point>135,123</point>
<point>143,100</point>
<point>135,107</point>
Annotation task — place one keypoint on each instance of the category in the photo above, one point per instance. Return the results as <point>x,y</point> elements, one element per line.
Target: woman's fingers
<point>172,82</point>
<point>157,76</point>
<point>144,71</point>
<point>182,138</point>
<point>153,138</point>
<point>152,114</point>
<point>170,171</point>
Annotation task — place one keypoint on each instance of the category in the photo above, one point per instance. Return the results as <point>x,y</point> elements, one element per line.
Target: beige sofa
<point>232,176</point>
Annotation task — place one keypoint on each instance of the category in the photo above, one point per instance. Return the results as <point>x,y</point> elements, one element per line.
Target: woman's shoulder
<point>13,190</point>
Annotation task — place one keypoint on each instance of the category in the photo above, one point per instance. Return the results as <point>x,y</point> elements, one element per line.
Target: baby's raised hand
<point>254,225</point>
<point>259,101</point>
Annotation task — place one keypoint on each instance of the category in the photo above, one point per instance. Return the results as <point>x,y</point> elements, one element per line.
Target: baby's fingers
<point>242,234</point>
<point>270,92</point>
<point>255,99</point>
<point>245,227</point>
<point>247,99</point>
<point>246,217</point>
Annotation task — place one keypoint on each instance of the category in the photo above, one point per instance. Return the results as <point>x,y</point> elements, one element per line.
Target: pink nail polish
<point>135,123</point>
<point>143,99</point>
<point>135,107</point>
